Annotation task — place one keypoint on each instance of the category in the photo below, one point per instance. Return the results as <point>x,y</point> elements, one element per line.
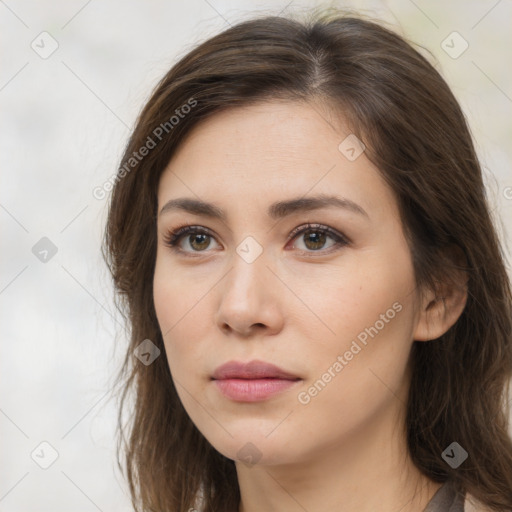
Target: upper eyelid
<point>320,227</point>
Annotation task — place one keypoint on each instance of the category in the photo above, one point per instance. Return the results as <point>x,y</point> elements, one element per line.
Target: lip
<point>252,370</point>
<point>253,381</point>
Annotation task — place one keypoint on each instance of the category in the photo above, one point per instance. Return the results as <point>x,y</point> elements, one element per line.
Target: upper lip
<point>252,370</point>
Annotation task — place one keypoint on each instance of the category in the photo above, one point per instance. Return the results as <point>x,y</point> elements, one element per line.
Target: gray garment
<point>446,499</point>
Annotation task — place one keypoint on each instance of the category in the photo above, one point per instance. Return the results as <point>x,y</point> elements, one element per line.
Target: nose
<point>249,301</point>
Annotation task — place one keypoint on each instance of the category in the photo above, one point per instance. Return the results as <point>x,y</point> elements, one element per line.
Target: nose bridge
<point>248,294</point>
<point>249,270</point>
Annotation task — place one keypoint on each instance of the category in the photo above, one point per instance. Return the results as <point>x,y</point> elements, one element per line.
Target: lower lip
<point>253,390</point>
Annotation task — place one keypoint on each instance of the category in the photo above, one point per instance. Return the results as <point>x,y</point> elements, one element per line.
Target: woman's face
<point>335,310</point>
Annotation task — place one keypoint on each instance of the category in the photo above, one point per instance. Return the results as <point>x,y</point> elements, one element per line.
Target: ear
<point>442,307</point>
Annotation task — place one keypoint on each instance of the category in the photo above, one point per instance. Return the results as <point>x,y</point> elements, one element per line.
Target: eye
<point>314,237</point>
<point>199,238</point>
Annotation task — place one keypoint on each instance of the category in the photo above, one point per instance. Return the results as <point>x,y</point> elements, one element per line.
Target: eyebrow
<point>277,210</point>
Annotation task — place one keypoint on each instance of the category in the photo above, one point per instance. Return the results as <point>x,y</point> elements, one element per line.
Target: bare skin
<point>301,304</point>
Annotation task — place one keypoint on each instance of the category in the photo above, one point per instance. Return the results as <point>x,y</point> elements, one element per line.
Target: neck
<point>368,470</point>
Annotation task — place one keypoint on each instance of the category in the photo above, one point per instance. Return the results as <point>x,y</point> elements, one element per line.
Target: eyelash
<point>172,238</point>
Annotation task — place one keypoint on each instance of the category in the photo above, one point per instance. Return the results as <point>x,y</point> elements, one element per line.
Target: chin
<point>252,446</point>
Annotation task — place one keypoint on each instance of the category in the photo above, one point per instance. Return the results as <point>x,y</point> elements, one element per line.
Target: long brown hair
<point>416,134</point>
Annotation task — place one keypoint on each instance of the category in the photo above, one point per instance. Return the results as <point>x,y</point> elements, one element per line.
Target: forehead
<point>273,132</point>
<point>260,153</point>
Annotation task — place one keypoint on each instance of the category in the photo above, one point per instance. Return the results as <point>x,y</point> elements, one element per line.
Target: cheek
<point>362,373</point>
<point>377,326</point>
<point>172,299</point>
<point>372,316</point>
<point>176,292</point>
<point>180,306</point>
<point>367,289</point>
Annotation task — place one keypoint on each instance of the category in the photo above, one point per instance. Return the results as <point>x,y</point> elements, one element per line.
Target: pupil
<point>198,236</point>
<point>316,238</point>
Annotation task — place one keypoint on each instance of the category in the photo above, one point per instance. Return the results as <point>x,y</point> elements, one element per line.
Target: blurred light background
<point>74,77</point>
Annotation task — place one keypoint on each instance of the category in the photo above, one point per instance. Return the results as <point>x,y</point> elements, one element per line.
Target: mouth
<point>252,382</point>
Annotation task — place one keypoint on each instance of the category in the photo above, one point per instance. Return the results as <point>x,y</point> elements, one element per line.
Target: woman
<point>318,302</point>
